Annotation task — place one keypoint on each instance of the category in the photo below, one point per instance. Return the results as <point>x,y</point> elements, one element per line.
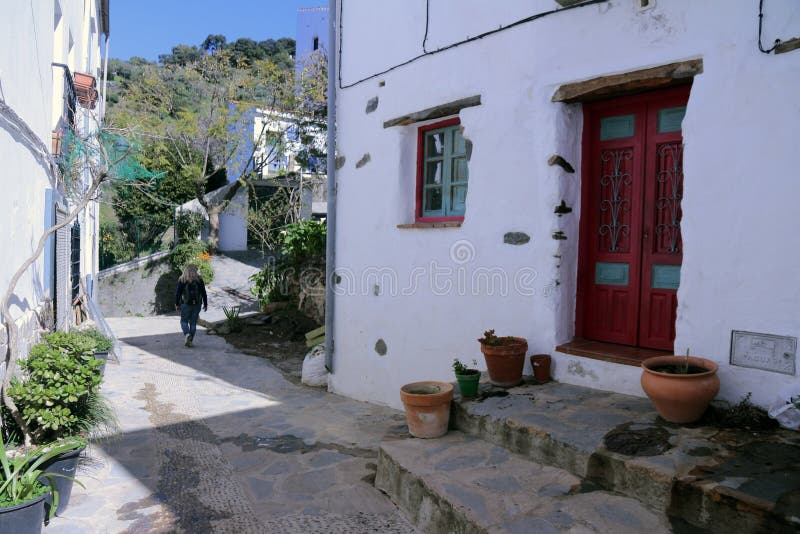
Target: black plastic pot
<point>102,355</point>
<point>65,464</point>
<point>25,518</point>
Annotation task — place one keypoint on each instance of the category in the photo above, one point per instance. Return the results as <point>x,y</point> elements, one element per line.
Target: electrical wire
<point>761,28</point>
<point>426,52</point>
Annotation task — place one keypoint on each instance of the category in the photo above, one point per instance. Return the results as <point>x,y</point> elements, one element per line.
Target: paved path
<point>213,440</point>
<point>231,285</point>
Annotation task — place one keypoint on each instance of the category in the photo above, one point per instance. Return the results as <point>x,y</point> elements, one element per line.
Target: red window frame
<point>421,168</point>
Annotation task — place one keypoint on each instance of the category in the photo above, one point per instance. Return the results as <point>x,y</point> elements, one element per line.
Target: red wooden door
<point>630,234</point>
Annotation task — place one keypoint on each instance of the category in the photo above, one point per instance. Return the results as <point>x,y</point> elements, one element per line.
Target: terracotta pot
<point>505,362</point>
<point>427,407</point>
<point>541,367</point>
<point>680,398</point>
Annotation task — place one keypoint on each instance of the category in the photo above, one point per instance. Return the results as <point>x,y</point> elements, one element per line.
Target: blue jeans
<point>189,315</point>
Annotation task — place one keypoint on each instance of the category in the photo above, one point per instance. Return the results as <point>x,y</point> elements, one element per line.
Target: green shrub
<point>192,252</point>
<point>303,240</point>
<point>62,375</point>
<point>269,285</point>
<point>102,343</point>
<point>188,225</point>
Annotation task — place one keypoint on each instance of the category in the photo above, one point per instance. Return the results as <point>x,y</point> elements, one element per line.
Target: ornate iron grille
<point>615,183</point>
<point>670,192</point>
<point>75,260</point>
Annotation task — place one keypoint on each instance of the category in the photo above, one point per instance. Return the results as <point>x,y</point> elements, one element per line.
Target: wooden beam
<point>316,332</point>
<point>436,112</point>
<point>681,73</point>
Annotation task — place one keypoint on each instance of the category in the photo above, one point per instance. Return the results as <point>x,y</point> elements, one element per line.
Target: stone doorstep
<point>462,484</point>
<point>694,477</point>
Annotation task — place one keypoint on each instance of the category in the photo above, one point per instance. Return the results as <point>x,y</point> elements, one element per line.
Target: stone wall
<point>142,287</point>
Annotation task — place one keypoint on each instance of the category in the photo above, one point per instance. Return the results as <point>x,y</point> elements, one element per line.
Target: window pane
<point>458,199</point>
<point>433,199</point>
<point>616,127</point>
<point>611,274</point>
<point>434,144</point>
<point>459,145</point>
<point>433,173</point>
<point>460,172</point>
<point>670,119</point>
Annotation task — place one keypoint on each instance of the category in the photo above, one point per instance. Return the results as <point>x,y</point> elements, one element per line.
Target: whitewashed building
<point>50,68</point>
<point>605,178</point>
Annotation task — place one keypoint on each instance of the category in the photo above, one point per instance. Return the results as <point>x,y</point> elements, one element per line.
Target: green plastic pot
<point>468,383</point>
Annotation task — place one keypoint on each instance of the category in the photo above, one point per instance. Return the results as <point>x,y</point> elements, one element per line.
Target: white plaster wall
<point>25,86</point>
<point>233,223</point>
<point>27,83</point>
<point>741,261</point>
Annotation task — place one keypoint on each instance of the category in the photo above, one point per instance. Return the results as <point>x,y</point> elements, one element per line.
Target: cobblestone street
<point>214,440</point>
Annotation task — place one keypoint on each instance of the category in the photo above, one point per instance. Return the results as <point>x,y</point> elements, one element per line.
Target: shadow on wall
<point>165,292</point>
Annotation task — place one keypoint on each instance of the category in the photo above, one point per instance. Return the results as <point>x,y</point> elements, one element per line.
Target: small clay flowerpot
<point>680,398</point>
<point>505,362</point>
<point>468,382</point>
<point>541,367</point>
<point>427,407</point>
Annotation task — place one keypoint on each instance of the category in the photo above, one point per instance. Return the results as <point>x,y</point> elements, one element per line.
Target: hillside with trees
<point>185,113</point>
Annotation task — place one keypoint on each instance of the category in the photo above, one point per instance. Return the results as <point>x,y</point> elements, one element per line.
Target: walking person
<point>189,297</point>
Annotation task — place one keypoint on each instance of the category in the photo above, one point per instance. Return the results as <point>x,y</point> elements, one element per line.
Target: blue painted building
<point>312,31</point>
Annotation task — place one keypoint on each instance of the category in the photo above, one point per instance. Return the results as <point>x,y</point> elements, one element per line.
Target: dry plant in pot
<point>680,387</point>
<point>505,358</point>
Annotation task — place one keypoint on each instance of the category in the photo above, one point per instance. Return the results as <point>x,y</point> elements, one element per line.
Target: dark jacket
<point>179,293</point>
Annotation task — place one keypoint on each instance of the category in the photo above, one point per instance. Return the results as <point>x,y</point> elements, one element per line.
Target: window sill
<point>609,352</point>
<point>440,224</point>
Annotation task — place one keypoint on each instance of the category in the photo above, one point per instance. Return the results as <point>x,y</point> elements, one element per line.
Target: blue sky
<point>147,28</point>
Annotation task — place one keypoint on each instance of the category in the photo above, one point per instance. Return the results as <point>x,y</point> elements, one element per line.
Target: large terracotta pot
<point>427,407</point>
<point>505,362</point>
<point>680,398</point>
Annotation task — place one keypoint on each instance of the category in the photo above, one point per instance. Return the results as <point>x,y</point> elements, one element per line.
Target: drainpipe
<point>330,246</point>
<point>105,78</point>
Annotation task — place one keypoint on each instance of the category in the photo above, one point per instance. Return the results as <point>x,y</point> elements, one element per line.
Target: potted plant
<point>22,491</point>
<point>505,358</point>
<point>467,378</point>
<point>541,367</point>
<point>59,400</point>
<point>680,387</point>
<point>102,345</point>
<point>427,406</point>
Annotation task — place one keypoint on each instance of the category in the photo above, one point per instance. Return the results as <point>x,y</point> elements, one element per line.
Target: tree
<point>89,161</point>
<point>212,43</point>
<point>181,55</point>
<point>213,129</point>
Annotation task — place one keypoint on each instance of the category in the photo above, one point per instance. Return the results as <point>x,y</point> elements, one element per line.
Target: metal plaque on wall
<point>764,351</point>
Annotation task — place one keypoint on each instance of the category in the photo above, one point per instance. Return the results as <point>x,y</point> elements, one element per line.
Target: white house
<point>50,72</point>
<point>606,178</point>
<point>268,136</point>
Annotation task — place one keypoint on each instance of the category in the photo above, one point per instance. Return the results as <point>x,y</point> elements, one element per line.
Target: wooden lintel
<point>680,73</point>
<point>788,46</point>
<point>436,112</point>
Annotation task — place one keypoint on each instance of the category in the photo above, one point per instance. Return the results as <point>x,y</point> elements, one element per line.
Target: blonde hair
<point>190,274</point>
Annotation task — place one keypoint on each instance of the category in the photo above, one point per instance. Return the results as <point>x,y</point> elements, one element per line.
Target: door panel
<point>661,239</point>
<point>630,234</point>
<point>615,208</point>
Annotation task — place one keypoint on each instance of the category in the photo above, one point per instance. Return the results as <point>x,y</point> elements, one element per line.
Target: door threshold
<point>610,352</point>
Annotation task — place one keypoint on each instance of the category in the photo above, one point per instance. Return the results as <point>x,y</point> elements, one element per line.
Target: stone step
<point>460,484</point>
<point>720,480</point>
